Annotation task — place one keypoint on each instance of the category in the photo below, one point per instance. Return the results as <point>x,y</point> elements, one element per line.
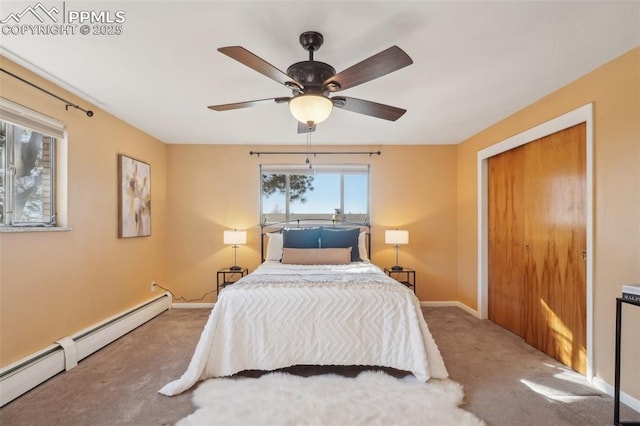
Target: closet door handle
<point>584,255</point>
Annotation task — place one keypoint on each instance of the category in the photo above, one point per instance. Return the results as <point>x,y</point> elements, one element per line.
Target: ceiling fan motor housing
<point>311,74</point>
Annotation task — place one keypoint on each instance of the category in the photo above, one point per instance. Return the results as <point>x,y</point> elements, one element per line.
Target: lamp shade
<point>396,237</point>
<point>235,237</point>
<point>310,108</point>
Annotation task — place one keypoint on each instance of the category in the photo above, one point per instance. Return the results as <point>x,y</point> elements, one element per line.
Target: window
<point>290,192</point>
<point>27,167</point>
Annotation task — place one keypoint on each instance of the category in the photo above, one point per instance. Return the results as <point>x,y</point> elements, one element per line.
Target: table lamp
<point>396,237</point>
<point>235,237</point>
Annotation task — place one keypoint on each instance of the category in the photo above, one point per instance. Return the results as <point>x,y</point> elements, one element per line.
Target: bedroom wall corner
<point>414,188</point>
<point>212,188</point>
<point>53,284</point>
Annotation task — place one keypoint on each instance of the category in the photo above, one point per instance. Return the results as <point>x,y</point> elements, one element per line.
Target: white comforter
<point>284,315</point>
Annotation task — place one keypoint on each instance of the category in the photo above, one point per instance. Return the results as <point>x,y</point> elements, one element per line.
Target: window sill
<point>22,229</point>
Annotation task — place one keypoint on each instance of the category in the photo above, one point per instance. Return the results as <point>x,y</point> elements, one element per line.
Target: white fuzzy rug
<point>372,398</point>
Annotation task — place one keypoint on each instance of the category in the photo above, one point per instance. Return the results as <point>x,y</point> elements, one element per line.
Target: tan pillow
<point>312,256</point>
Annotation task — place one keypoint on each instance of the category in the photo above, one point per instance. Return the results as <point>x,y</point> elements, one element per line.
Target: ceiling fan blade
<point>374,109</point>
<point>238,105</point>
<point>303,128</point>
<point>256,63</point>
<point>389,60</point>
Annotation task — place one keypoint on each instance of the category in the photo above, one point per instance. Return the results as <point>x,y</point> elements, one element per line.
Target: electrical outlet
<point>153,286</point>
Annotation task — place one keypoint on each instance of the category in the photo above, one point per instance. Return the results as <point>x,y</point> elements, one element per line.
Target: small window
<point>27,167</point>
<point>292,192</point>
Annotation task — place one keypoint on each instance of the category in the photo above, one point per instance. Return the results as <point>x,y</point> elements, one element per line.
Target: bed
<point>313,306</point>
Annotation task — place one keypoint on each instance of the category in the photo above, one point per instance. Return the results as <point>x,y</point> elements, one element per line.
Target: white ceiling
<point>475,63</point>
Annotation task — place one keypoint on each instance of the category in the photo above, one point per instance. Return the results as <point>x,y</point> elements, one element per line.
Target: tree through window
<point>290,192</point>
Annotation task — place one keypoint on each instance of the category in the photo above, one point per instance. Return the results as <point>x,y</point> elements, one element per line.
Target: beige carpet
<point>505,381</point>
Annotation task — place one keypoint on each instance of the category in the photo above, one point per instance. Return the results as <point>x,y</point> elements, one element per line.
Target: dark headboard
<point>266,228</point>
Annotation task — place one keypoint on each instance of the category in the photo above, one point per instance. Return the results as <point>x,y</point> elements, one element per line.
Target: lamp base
<point>397,268</point>
<point>235,268</point>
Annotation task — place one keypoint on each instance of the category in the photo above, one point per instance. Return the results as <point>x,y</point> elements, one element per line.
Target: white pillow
<point>274,246</point>
<point>362,246</point>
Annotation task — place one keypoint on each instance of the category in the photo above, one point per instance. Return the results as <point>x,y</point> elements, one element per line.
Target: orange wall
<point>216,187</point>
<point>54,284</point>
<point>614,90</point>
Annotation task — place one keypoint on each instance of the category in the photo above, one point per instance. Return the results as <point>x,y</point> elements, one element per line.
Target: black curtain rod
<point>369,153</point>
<point>68,104</point>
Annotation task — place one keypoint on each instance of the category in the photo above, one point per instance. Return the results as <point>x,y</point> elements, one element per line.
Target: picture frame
<point>134,197</point>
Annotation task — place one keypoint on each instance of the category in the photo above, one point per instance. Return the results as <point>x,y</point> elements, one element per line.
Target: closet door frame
<point>584,114</point>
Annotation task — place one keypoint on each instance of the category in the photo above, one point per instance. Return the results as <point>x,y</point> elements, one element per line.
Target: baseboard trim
<point>192,305</point>
<point>455,303</point>
<point>29,372</point>
<point>625,398</point>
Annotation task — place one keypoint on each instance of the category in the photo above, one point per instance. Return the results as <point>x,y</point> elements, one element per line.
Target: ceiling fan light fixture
<point>310,108</point>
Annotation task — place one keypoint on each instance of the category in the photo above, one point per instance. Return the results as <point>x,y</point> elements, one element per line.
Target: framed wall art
<point>134,198</point>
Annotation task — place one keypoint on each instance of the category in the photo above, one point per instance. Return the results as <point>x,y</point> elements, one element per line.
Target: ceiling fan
<point>311,83</point>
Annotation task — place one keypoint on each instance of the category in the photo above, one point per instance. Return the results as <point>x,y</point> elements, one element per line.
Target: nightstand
<point>406,276</point>
<point>228,276</point>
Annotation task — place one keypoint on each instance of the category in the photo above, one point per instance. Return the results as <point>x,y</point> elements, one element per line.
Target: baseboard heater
<point>29,372</point>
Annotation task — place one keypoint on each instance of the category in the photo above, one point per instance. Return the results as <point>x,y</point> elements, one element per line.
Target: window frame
<point>18,115</point>
<point>305,169</point>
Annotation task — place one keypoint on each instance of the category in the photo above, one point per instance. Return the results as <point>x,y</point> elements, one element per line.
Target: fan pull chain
<point>308,149</point>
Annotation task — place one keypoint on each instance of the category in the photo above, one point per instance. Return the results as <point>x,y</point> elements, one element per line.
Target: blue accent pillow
<point>301,237</point>
<point>341,238</point>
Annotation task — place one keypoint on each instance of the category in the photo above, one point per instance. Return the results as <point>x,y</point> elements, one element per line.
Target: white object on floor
<point>371,398</point>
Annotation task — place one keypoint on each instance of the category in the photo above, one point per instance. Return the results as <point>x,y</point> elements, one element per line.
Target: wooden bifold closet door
<point>537,244</point>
